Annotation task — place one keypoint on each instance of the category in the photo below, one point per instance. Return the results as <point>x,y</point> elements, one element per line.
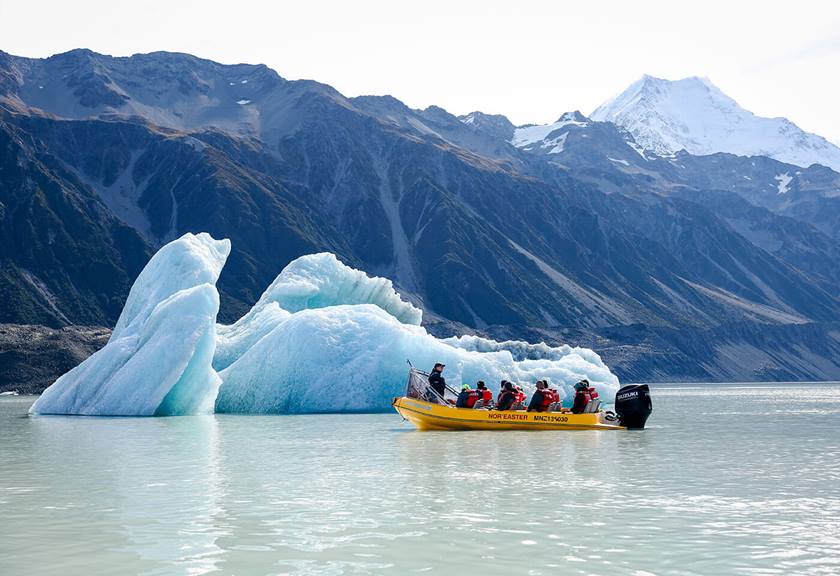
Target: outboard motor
<point>633,405</point>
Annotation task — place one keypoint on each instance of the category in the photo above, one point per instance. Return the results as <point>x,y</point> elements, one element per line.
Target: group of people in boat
<point>512,397</point>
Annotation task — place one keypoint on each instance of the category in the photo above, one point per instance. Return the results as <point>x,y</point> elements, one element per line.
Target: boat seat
<point>517,406</point>
<point>593,406</point>
<point>478,405</point>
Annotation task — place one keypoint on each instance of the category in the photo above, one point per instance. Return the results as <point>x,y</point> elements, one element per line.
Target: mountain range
<point>677,249</point>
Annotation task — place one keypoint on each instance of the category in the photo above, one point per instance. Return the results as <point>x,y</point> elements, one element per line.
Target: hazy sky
<point>528,60</point>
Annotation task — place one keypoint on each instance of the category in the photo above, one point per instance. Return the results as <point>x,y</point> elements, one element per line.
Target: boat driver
<point>436,379</point>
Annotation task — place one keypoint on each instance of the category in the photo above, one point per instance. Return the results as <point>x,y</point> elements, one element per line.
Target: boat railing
<point>418,387</point>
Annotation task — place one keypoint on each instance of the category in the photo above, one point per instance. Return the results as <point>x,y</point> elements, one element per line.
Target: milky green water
<point>732,479</point>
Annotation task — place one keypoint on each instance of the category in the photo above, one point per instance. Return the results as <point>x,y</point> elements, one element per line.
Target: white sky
<point>529,60</point>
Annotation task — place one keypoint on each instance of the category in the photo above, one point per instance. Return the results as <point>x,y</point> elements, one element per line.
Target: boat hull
<point>429,416</point>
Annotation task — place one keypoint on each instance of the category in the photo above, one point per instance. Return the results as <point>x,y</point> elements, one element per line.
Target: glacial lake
<point>727,479</point>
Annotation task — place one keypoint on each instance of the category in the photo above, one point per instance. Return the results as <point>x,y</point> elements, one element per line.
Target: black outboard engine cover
<point>633,405</point>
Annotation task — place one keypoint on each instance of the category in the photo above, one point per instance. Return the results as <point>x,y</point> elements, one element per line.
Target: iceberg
<point>323,337</point>
<point>352,358</point>
<point>158,360</point>
<point>311,281</point>
<point>321,280</point>
<point>327,338</point>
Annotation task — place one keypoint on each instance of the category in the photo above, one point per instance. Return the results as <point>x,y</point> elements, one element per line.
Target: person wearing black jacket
<point>436,379</point>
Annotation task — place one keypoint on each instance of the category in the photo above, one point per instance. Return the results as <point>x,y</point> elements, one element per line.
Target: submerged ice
<point>323,337</point>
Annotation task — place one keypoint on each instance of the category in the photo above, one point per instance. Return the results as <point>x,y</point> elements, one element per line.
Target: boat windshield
<point>418,387</point>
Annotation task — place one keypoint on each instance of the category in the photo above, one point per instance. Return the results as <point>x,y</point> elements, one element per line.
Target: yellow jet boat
<point>427,410</point>
<point>432,416</point>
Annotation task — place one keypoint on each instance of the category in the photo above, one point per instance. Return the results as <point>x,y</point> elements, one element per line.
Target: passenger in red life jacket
<point>507,396</point>
<point>486,394</point>
<point>541,399</point>
<point>552,392</point>
<point>582,397</point>
<point>468,397</point>
<point>551,396</point>
<point>520,394</point>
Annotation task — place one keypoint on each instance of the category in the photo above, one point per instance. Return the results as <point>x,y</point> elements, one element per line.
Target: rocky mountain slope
<point>568,232</point>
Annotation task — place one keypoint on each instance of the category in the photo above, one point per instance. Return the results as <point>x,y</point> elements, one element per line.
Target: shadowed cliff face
<point>656,262</point>
<point>65,257</point>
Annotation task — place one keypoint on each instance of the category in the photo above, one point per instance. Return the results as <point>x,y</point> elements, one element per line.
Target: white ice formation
<point>158,359</point>
<point>322,338</point>
<point>313,281</point>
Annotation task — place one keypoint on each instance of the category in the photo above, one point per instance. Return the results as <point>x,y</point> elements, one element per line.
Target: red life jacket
<point>548,398</point>
<point>486,395</point>
<point>592,393</point>
<point>520,395</point>
<point>473,398</point>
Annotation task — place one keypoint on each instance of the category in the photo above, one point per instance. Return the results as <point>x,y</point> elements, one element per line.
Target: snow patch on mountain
<point>692,114</point>
<point>557,144</point>
<point>784,182</point>
<point>532,133</point>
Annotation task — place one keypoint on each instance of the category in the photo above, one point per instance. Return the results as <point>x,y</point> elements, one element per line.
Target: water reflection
<point>145,489</point>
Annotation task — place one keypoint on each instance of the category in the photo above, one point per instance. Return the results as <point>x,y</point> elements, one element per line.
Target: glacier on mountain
<point>323,337</point>
<point>693,114</point>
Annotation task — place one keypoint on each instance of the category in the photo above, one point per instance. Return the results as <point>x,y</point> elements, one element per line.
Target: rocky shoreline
<point>32,356</point>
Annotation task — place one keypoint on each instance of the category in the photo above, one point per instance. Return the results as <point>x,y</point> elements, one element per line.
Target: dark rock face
<point>64,257</point>
<point>667,266</point>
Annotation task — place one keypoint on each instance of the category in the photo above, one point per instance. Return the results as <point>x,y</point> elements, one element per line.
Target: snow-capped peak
<point>693,114</point>
<point>575,117</point>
